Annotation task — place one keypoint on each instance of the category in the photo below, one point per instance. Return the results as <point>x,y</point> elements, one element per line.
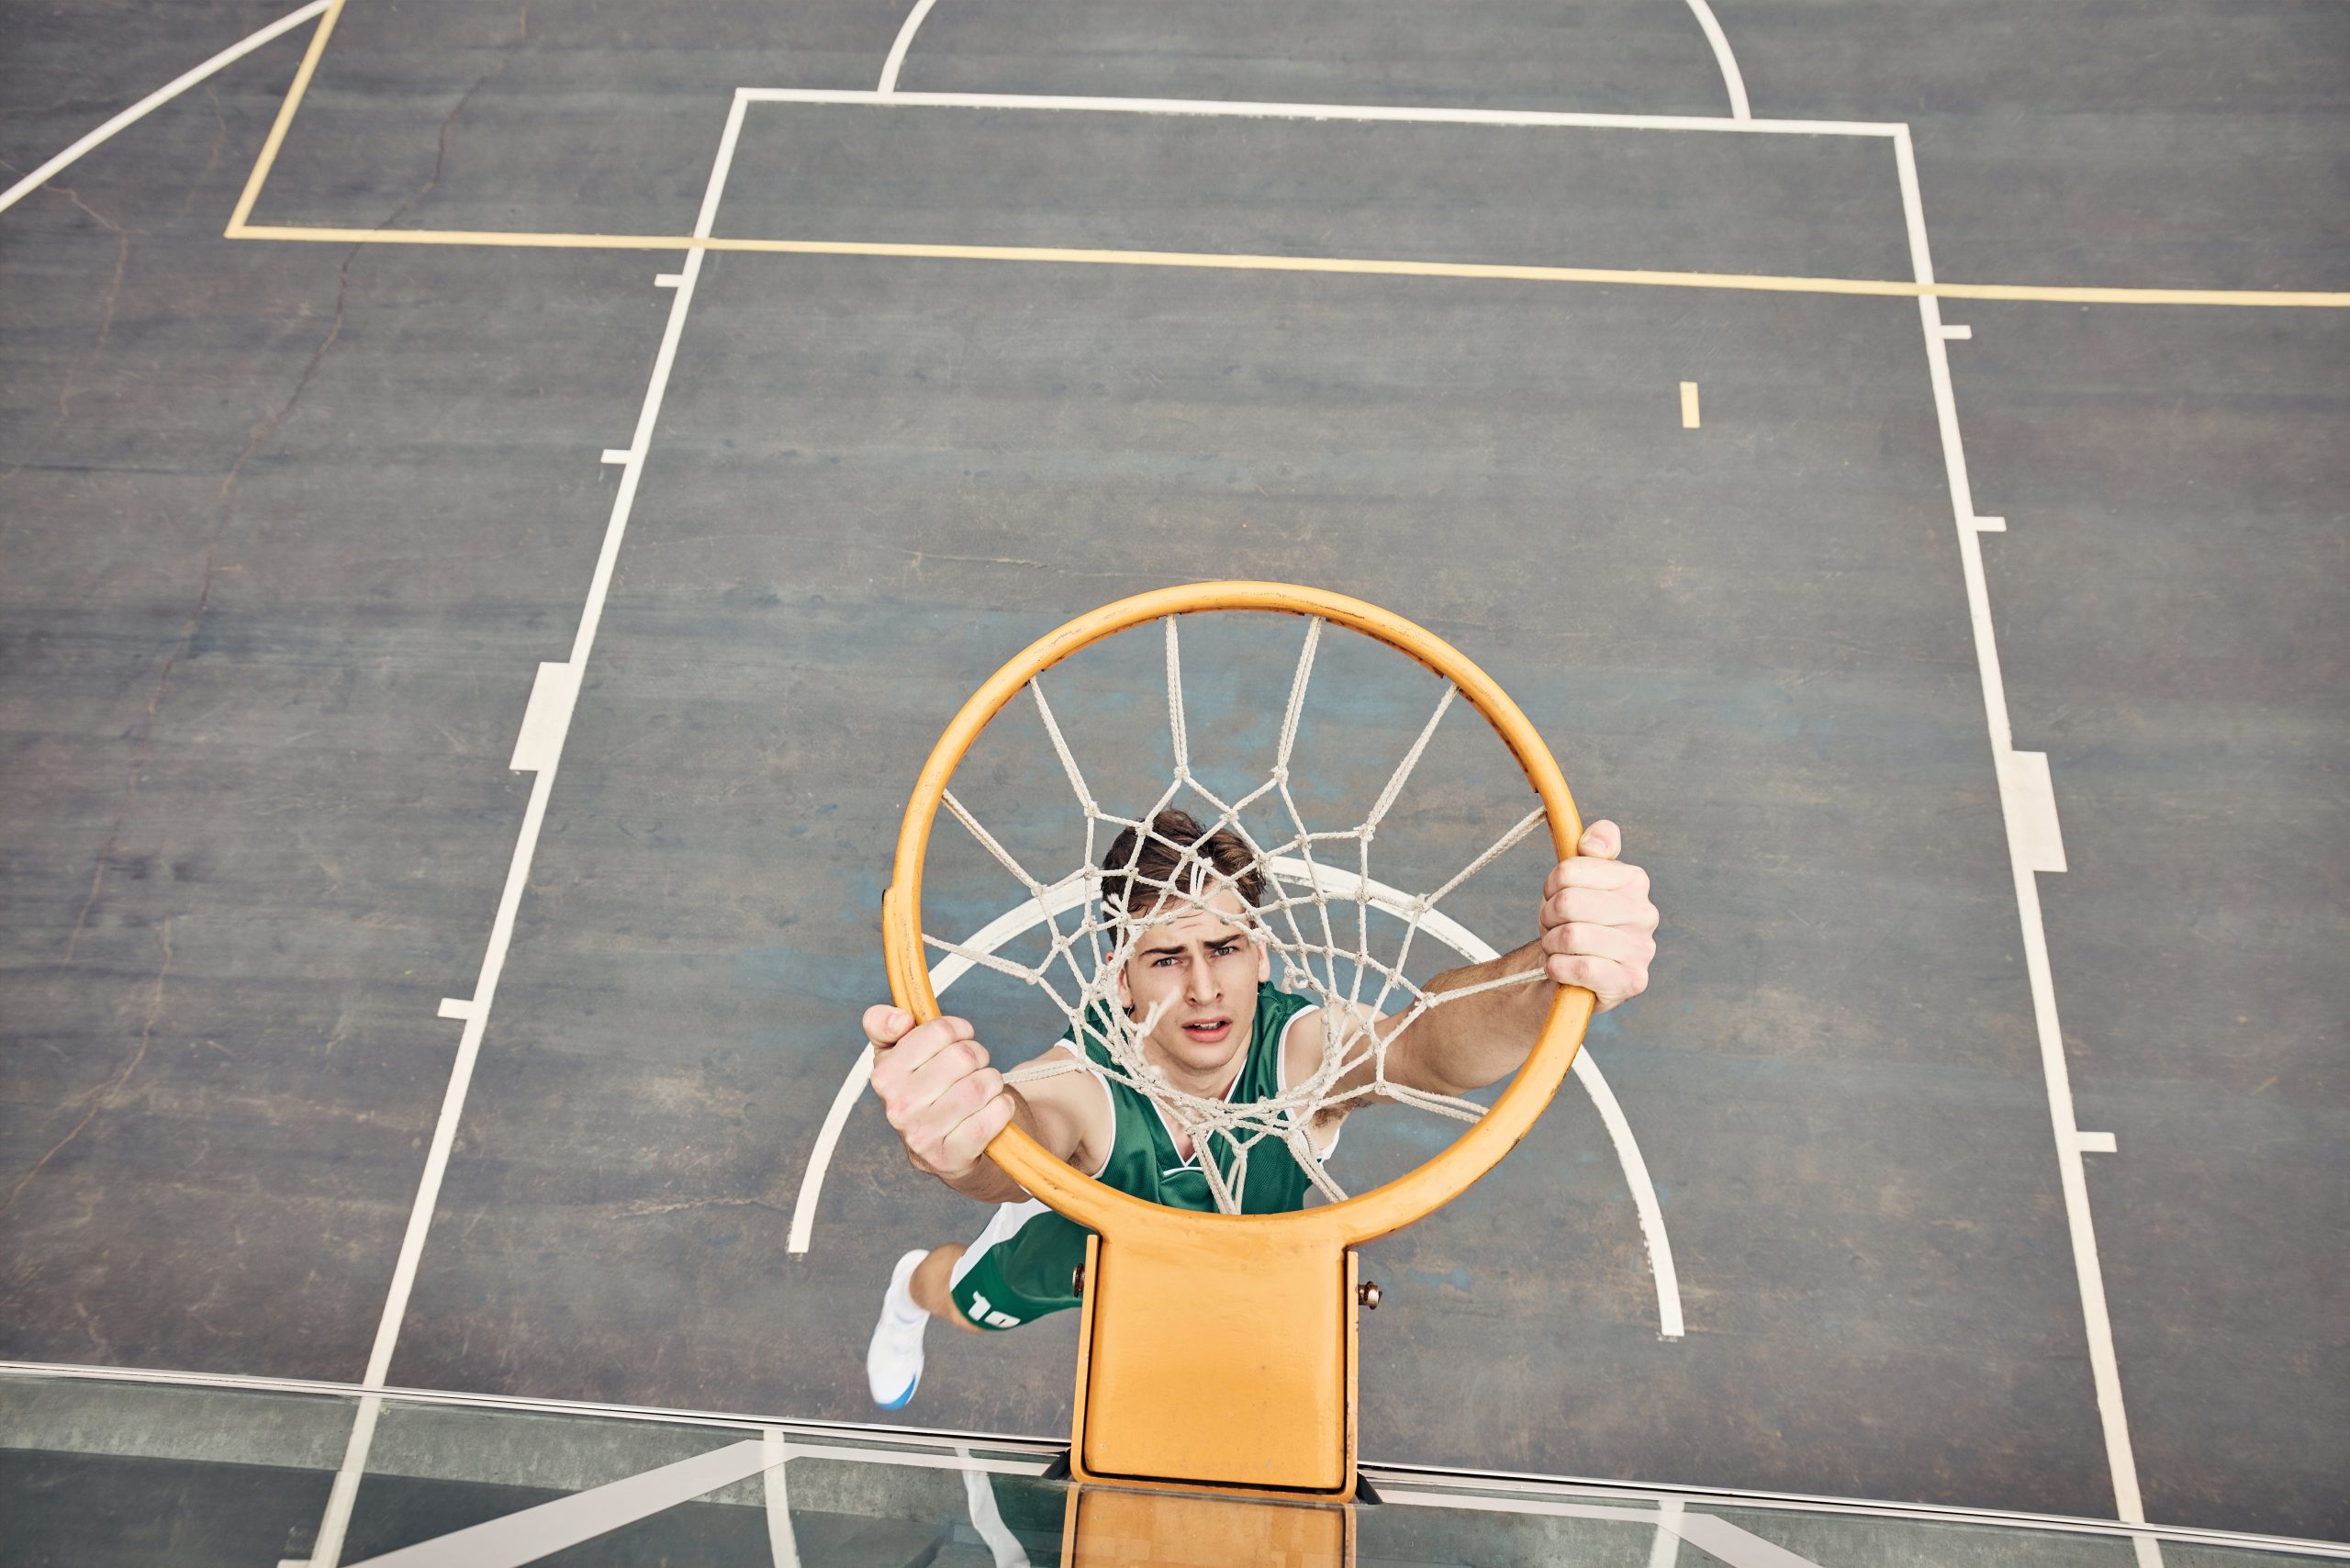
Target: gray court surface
<point>1986,741</point>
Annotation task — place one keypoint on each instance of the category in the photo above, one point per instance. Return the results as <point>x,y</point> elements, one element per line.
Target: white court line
<point>2028,798</point>
<point>1739,1548</point>
<point>515,1539</point>
<point>1469,1488</point>
<point>545,722</point>
<point>1245,109</point>
<point>783,1545</point>
<point>541,747</point>
<point>548,750</point>
<point>2026,853</point>
<point>1071,892</point>
<point>896,62</point>
<point>1665,1551</point>
<point>157,99</point>
<point>1734,82</point>
<point>344,1493</point>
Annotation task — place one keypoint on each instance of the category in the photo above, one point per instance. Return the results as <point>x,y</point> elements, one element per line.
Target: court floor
<point>497,501</point>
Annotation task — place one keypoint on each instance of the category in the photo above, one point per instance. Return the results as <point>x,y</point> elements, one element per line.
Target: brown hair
<point>1175,844</point>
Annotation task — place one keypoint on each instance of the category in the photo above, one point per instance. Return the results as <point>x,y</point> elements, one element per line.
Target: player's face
<point>1205,967</point>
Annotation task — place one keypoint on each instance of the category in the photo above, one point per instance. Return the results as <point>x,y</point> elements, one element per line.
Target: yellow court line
<point>1751,282</point>
<point>285,118</point>
<point>1374,266</point>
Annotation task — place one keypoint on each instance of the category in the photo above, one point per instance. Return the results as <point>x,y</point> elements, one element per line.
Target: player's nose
<point>1203,987</point>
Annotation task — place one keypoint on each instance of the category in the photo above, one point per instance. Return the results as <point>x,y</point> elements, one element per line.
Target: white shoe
<point>893,1359</point>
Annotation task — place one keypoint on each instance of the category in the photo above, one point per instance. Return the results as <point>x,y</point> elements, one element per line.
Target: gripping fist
<point>1598,926</point>
<point>937,1089</point>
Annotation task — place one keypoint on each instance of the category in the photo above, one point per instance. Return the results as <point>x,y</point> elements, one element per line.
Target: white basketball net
<point>1302,920</point>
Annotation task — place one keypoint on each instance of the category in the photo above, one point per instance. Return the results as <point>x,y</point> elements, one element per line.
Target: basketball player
<point>1223,1030</point>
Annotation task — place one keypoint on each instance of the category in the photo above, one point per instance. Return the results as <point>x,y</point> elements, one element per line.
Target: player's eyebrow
<point>1226,940</point>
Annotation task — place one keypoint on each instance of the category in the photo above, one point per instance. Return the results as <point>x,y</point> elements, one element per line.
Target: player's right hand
<point>937,1089</point>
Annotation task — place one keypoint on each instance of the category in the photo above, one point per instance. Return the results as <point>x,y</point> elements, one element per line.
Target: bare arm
<point>946,1102</point>
<point>1465,1043</point>
<point>1597,930</point>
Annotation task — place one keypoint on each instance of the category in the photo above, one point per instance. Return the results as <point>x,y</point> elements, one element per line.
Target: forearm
<point>1468,1042</point>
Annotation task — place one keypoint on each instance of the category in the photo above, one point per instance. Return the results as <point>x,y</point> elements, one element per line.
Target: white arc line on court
<point>2023,855</point>
<point>1071,892</point>
<point>896,62</point>
<point>1719,40</point>
<point>156,100</point>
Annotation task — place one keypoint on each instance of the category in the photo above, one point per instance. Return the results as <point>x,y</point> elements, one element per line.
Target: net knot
<point>1367,997</point>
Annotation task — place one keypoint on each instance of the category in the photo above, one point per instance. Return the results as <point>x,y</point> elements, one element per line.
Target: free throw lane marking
<point>548,718</point>
<point>1688,405</point>
<point>1245,108</point>
<point>2029,797</point>
<point>2027,851</point>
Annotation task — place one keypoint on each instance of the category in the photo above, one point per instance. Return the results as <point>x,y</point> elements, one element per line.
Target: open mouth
<point>1208,1031</point>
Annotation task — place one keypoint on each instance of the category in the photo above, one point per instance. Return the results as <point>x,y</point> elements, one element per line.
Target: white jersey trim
<point>1003,1226</point>
<point>1281,1077</point>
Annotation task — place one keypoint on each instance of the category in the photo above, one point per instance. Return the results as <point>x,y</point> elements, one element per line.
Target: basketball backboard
<point>119,1471</point>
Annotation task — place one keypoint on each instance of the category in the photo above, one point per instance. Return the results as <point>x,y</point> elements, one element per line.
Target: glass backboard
<point>98,1471</point>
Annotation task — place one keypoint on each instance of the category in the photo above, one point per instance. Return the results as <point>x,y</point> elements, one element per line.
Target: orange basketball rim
<point>1216,1349</point>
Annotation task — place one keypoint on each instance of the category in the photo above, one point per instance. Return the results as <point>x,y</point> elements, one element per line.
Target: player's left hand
<point>1598,926</point>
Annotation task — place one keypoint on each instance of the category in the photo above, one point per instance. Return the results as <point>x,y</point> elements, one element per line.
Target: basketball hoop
<point>1257,1393</point>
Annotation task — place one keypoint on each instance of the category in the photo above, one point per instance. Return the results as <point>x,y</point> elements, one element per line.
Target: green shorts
<point>1024,1266</point>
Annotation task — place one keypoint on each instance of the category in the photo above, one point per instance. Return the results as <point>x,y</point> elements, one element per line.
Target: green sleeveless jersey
<point>1143,1157</point>
<point>1025,1263</point>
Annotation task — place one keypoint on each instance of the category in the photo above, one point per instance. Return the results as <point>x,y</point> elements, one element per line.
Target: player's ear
<point>1264,959</point>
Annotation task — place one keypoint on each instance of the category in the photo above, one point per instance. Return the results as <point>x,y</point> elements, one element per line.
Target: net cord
<point>1094,951</point>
